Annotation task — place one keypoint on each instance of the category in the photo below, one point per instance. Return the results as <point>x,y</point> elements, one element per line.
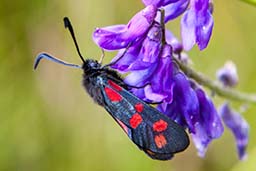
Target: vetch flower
<point>192,109</point>
<point>149,62</point>
<point>158,3</point>
<point>227,75</point>
<point>119,36</point>
<point>208,126</point>
<point>172,8</point>
<point>142,54</point>
<point>159,72</point>
<point>239,127</point>
<point>197,24</point>
<point>184,108</point>
<point>174,42</point>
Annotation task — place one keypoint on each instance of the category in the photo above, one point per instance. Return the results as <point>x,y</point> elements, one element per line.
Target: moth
<point>153,132</point>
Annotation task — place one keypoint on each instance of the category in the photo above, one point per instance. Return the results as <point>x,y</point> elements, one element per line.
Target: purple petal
<point>209,125</point>
<point>227,75</point>
<point>140,23</point>
<point>184,108</point>
<point>151,95</point>
<point>157,72</point>
<point>163,74</point>
<point>203,33</point>
<point>174,10</point>
<point>209,115</point>
<point>139,93</point>
<point>173,41</point>
<point>160,71</point>
<point>201,140</point>
<point>200,5</point>
<point>110,37</point>
<point>196,25</point>
<point>158,3</point>
<point>119,36</point>
<point>143,54</point>
<point>151,45</point>
<point>186,100</point>
<point>173,112</point>
<point>188,33</point>
<point>140,77</point>
<point>128,58</point>
<point>239,127</point>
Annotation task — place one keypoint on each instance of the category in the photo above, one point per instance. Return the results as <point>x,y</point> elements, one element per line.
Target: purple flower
<point>142,54</point>
<point>239,127</point>
<point>228,74</point>
<point>160,71</point>
<point>197,24</point>
<point>119,36</point>
<point>150,63</point>
<point>158,3</point>
<point>172,8</point>
<point>174,42</point>
<point>184,108</point>
<point>208,126</point>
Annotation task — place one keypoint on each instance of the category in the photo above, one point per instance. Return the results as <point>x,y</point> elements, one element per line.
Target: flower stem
<point>215,86</point>
<point>162,13</point>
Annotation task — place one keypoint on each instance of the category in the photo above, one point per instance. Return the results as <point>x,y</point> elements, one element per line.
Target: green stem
<point>162,25</point>
<point>216,87</point>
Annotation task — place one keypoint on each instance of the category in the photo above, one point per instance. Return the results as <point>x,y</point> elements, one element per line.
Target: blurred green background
<point>48,122</point>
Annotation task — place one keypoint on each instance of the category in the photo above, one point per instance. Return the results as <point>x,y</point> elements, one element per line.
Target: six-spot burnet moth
<point>153,132</point>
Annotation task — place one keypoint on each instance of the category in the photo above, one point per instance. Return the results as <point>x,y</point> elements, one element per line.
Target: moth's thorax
<point>92,80</point>
<point>96,77</point>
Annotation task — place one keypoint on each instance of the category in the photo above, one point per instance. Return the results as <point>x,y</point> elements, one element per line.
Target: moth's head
<point>90,64</point>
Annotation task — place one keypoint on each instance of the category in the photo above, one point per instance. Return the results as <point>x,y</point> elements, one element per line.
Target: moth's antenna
<point>120,57</point>
<point>68,25</point>
<point>51,58</point>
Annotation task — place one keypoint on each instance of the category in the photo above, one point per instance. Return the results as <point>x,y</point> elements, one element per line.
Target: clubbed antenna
<point>51,58</point>
<point>68,25</point>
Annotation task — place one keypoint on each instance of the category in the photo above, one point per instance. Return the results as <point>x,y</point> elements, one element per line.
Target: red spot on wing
<point>139,107</point>
<point>160,126</point>
<point>135,120</point>
<point>112,95</point>
<point>114,85</point>
<point>125,128</point>
<point>160,141</point>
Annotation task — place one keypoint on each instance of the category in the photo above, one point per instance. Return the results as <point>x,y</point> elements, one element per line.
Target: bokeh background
<point>49,123</point>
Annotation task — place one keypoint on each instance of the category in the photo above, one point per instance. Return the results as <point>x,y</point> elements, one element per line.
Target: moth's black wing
<point>150,130</point>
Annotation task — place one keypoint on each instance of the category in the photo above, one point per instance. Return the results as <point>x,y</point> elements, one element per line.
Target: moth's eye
<point>94,64</point>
